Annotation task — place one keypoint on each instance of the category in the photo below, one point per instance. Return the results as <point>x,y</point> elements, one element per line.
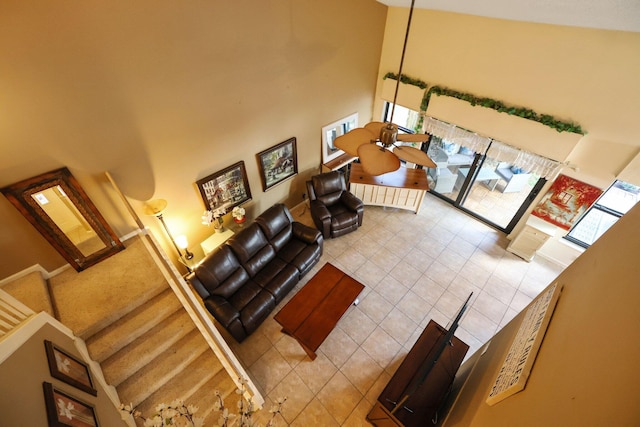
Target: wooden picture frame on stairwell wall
<point>69,369</point>
<point>65,410</point>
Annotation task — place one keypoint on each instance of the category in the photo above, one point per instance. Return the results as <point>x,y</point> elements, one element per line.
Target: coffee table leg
<point>312,354</point>
<point>357,301</point>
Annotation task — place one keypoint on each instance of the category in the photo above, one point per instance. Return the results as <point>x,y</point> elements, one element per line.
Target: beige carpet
<point>148,347</point>
<point>89,300</point>
<point>31,290</point>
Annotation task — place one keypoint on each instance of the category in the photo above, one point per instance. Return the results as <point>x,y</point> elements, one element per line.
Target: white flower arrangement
<point>211,215</point>
<point>179,414</point>
<point>238,212</point>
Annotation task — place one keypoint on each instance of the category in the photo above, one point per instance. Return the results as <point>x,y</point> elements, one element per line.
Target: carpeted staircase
<point>135,327</point>
<point>154,354</point>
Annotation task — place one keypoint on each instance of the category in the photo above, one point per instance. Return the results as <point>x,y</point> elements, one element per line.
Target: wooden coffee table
<point>315,310</point>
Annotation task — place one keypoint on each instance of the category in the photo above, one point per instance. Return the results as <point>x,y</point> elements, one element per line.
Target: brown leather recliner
<point>335,211</point>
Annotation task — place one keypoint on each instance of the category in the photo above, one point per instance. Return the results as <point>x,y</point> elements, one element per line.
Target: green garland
<point>525,113</point>
<point>406,80</point>
<point>414,82</point>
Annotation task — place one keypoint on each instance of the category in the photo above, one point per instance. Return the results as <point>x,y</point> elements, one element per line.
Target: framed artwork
<point>64,410</point>
<point>333,130</point>
<point>565,201</point>
<point>69,369</point>
<point>227,188</point>
<point>278,163</point>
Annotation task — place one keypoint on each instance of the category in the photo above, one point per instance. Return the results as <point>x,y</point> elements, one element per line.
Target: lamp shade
<point>155,207</point>
<point>182,242</point>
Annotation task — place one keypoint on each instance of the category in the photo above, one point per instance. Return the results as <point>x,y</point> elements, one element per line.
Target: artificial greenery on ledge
<point>414,82</point>
<point>406,80</point>
<point>500,107</point>
<point>525,113</point>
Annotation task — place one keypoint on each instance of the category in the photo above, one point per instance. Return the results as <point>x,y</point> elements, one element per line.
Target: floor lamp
<point>156,208</point>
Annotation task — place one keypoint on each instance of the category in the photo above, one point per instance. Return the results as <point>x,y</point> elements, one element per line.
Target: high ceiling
<point>623,15</point>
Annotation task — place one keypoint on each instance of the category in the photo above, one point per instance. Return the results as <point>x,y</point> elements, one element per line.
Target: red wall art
<point>566,200</point>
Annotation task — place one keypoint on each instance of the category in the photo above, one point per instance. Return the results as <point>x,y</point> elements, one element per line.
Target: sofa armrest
<point>223,312</point>
<point>197,285</point>
<point>351,201</point>
<point>354,204</point>
<point>321,217</point>
<point>305,233</point>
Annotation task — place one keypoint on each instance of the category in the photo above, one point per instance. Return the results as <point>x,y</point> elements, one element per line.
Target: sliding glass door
<point>494,191</point>
<point>498,192</point>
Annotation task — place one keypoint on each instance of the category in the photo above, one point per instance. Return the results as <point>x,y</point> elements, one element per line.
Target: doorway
<point>495,192</point>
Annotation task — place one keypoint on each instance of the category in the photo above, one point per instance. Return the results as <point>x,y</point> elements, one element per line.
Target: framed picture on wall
<point>565,201</point>
<point>69,369</point>
<point>278,163</point>
<point>226,188</point>
<point>64,410</point>
<point>333,130</point>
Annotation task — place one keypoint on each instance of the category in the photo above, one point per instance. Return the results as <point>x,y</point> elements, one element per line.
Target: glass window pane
<point>403,116</point>
<point>620,197</point>
<point>593,225</point>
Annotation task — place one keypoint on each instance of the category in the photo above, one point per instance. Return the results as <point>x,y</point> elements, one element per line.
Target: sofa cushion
<point>277,277</point>
<point>252,249</point>
<point>256,311</point>
<point>342,217</point>
<point>301,255</point>
<point>220,273</point>
<point>328,187</point>
<point>275,223</point>
<point>245,295</point>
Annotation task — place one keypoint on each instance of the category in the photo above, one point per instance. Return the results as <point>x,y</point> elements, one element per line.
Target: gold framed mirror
<point>57,206</point>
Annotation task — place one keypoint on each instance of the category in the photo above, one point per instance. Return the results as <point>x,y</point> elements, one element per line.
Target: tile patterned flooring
<point>414,268</point>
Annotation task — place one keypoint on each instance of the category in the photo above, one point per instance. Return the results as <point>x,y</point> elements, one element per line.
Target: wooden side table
<point>404,188</point>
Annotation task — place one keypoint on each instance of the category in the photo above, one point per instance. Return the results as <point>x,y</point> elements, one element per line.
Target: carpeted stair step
<point>98,296</point>
<point>150,345</point>
<point>205,397</point>
<point>130,327</point>
<point>160,370</point>
<point>185,384</point>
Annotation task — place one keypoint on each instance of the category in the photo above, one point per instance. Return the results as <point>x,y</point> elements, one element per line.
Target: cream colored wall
<point>585,372</point>
<point>163,93</point>
<point>575,74</point>
<point>22,402</point>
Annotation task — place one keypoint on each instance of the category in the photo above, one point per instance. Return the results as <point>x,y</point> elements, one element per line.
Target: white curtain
<point>452,133</point>
<point>530,162</point>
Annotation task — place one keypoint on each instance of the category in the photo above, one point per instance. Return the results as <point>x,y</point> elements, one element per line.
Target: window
<point>406,119</point>
<point>605,212</point>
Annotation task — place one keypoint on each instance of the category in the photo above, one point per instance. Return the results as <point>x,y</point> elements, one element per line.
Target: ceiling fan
<point>374,142</point>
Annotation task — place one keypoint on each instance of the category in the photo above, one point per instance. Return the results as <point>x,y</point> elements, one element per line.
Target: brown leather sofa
<point>243,280</point>
<point>334,210</point>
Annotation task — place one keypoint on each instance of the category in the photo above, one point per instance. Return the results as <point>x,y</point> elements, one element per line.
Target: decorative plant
<point>525,113</point>
<point>407,80</point>
<point>238,212</point>
<point>179,414</point>
<point>210,216</point>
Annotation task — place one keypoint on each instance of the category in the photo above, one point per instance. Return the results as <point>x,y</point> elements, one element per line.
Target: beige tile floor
<point>414,268</point>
